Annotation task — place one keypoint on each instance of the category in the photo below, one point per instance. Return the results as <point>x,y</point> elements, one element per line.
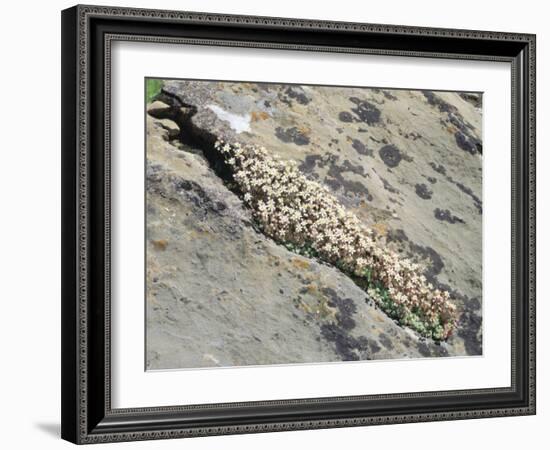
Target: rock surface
<point>220,293</point>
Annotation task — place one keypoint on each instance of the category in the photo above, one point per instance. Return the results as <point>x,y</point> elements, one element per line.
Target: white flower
<point>282,199</point>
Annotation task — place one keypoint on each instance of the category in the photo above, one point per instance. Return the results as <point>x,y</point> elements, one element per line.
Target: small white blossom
<point>292,208</point>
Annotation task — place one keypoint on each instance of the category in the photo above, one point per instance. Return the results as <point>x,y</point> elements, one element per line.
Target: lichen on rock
<point>292,209</point>
<point>221,291</point>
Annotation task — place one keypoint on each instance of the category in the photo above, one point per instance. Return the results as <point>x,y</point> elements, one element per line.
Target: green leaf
<point>152,88</point>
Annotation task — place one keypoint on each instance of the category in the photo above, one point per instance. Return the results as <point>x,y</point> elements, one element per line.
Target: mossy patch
<point>153,86</point>
<point>300,264</point>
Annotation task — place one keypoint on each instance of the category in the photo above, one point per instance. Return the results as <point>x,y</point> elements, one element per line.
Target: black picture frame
<point>87,33</point>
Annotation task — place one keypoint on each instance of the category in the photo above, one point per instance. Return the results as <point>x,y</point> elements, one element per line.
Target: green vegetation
<point>303,216</point>
<point>152,88</point>
<point>413,318</point>
<point>305,250</point>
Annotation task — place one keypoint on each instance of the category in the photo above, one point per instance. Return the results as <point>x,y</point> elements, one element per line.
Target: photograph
<point>287,218</point>
<point>275,225</point>
<point>301,224</point>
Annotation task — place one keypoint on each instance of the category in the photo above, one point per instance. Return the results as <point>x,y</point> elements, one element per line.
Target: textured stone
<point>158,108</point>
<point>226,295</point>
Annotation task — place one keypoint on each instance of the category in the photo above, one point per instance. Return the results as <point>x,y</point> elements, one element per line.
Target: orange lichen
<point>160,244</point>
<point>380,228</point>
<point>259,115</point>
<point>300,264</point>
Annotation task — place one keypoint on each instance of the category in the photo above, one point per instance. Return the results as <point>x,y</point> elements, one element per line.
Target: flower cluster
<point>291,208</point>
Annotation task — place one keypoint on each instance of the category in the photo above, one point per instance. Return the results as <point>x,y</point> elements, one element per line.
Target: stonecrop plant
<point>304,216</point>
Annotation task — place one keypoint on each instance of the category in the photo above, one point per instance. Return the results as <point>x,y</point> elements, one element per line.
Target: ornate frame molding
<point>84,421</point>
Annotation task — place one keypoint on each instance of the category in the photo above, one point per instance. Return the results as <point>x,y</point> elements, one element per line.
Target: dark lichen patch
<point>193,188</point>
<point>353,168</point>
<point>310,162</point>
<point>438,102</point>
<point>153,173</point>
<point>374,347</point>
<point>365,112</point>
<point>395,235</point>
<point>438,168</point>
<point>435,265</point>
<point>477,201</point>
<point>464,137</point>
<point>469,329</point>
<point>440,350</point>
<point>192,191</point>
<point>413,136</point>
<point>346,308</point>
<point>389,96</point>
<point>219,206</point>
<point>459,122</point>
<point>432,180</point>
<point>335,178</point>
<point>345,321</point>
<point>431,350</point>
<point>293,135</point>
<point>423,191</point>
<point>381,141</point>
<point>284,99</point>
<point>388,187</point>
<point>469,192</point>
<point>471,304</point>
<point>265,87</point>
<point>345,116</point>
<point>361,148</point>
<point>354,187</point>
<point>391,155</point>
<point>473,98</point>
<point>393,200</point>
<point>295,93</point>
<point>468,143</point>
<point>423,348</point>
<point>348,347</point>
<point>446,216</point>
<point>475,283</point>
<point>385,341</point>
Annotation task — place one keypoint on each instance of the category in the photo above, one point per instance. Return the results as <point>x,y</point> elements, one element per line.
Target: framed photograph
<point>279,224</point>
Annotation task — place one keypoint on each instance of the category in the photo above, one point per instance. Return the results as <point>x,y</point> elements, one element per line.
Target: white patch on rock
<point>211,358</point>
<point>237,122</point>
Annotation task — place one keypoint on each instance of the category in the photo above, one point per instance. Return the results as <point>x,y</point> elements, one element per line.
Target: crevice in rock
<point>199,138</point>
<point>204,140</point>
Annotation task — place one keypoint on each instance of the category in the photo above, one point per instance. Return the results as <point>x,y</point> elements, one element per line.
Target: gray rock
<point>158,108</point>
<point>171,127</point>
<point>226,295</point>
<point>219,293</point>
